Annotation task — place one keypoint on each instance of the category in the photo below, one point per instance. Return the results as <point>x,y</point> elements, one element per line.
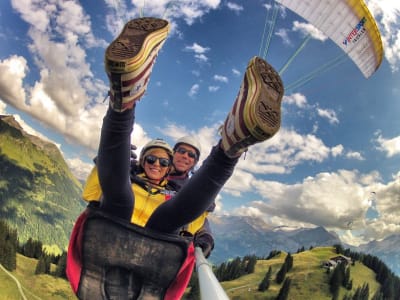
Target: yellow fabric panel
<point>92,188</point>
<point>145,204</point>
<point>197,224</point>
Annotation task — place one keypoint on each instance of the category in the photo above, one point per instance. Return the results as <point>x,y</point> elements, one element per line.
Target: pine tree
<point>9,256</point>
<point>280,276</point>
<point>350,285</point>
<point>43,265</point>
<point>284,291</point>
<point>61,266</point>
<point>346,279</point>
<point>365,292</point>
<point>378,296</point>
<point>32,248</point>
<point>40,266</point>
<point>251,265</point>
<point>336,281</point>
<point>265,283</point>
<point>289,262</point>
<point>273,253</point>
<point>8,246</point>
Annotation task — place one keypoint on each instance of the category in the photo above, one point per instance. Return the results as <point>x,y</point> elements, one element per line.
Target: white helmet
<point>156,143</point>
<point>191,141</point>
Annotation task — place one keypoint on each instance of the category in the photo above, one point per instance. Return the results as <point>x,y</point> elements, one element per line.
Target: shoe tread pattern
<point>268,110</point>
<point>132,37</point>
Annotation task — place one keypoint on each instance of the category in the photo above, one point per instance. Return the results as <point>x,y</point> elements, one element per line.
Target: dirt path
<point>16,281</point>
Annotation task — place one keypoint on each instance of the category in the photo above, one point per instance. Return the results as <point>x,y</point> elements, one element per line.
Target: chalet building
<point>334,261</point>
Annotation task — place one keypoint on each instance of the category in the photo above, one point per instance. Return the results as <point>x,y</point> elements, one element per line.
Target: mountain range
<point>239,236</point>
<point>41,198</point>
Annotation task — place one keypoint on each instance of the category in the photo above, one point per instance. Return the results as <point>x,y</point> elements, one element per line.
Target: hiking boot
<point>129,60</point>
<point>256,113</point>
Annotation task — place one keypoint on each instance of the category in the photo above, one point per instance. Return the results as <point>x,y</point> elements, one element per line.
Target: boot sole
<point>262,112</point>
<point>131,48</point>
<point>256,113</point>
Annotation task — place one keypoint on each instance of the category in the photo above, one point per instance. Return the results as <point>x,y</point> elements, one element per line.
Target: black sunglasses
<point>182,151</point>
<point>151,159</point>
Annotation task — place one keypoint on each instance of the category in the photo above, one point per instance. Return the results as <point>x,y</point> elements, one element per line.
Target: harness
<point>114,259</point>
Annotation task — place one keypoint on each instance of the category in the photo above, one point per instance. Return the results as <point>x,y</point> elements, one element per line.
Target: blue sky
<point>336,159</point>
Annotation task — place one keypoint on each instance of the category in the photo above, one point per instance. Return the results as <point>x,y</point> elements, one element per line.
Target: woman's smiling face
<point>156,171</point>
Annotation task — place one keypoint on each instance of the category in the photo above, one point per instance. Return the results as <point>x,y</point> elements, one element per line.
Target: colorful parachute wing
<point>349,24</point>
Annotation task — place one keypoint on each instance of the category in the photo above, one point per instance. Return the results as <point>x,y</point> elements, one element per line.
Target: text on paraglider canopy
<point>356,33</point>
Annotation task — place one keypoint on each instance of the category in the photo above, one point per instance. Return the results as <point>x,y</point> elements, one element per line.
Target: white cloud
<point>330,199</point>
<point>390,146</point>
<point>194,90</point>
<point>246,211</point>
<point>355,155</point>
<point>117,14</point>
<point>13,71</point>
<point>2,108</point>
<point>234,7</point>
<point>201,57</point>
<point>326,199</point>
<point>66,97</point>
<point>196,73</point>
<point>283,34</point>
<point>35,13</point>
<point>328,114</point>
<point>213,88</point>
<point>297,99</point>
<point>196,48</point>
<point>337,150</point>
<point>221,78</point>
<point>236,72</point>
<point>199,52</point>
<point>79,168</point>
<point>309,29</point>
<point>279,155</point>
<point>388,15</point>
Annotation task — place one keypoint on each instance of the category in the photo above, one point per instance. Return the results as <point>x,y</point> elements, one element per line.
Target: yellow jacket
<point>147,199</point>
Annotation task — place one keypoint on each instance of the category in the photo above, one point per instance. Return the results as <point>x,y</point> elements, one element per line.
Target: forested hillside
<point>38,193</point>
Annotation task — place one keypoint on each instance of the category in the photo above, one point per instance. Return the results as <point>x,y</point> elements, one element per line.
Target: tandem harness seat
<point>114,259</point>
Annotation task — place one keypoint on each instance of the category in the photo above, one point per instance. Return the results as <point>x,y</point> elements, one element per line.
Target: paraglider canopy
<point>349,24</point>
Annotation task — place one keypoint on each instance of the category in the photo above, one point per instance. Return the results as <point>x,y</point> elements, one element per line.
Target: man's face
<point>183,161</point>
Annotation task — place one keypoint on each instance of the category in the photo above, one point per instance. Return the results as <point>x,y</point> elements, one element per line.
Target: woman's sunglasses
<point>151,159</point>
<point>182,151</point>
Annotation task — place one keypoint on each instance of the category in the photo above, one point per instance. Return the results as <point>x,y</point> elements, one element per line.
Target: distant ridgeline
<point>39,196</point>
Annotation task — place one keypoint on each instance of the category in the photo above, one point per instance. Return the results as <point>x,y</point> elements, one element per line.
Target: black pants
<point>190,202</point>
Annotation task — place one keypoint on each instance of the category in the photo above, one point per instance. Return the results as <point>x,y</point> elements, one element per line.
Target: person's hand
<point>133,154</point>
<point>134,161</point>
<point>205,241</point>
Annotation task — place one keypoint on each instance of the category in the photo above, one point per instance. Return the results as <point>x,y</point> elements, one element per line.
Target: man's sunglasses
<point>182,151</point>
<point>151,159</point>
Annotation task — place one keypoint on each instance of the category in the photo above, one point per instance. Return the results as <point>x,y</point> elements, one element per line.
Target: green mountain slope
<point>38,193</point>
<point>43,287</point>
<point>309,280</point>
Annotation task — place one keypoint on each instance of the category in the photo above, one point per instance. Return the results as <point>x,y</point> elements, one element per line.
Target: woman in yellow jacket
<point>150,190</point>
